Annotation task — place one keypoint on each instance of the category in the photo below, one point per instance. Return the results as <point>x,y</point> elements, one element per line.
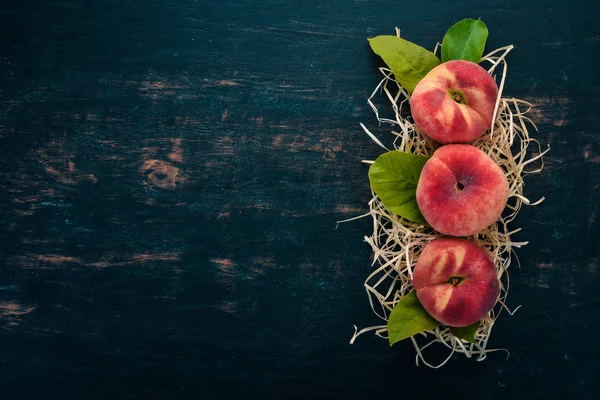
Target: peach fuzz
<point>454,102</point>
<point>461,190</point>
<point>456,281</point>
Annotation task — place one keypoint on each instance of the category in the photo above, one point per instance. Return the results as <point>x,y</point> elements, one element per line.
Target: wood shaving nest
<point>397,242</point>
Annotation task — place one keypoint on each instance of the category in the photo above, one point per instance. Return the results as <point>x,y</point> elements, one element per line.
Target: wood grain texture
<point>170,177</point>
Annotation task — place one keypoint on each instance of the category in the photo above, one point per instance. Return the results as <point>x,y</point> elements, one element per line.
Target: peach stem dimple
<point>455,280</point>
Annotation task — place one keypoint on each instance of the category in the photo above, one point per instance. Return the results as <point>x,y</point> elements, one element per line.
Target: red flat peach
<point>461,190</point>
<point>456,281</point>
<point>454,102</point>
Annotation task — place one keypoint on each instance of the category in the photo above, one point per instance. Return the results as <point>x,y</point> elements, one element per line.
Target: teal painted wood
<point>171,173</point>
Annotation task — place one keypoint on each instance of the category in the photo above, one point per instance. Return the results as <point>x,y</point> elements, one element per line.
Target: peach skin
<point>456,281</point>
<point>454,102</point>
<point>461,190</point>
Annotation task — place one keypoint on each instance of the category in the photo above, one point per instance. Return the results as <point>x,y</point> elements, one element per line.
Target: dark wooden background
<point>171,173</point>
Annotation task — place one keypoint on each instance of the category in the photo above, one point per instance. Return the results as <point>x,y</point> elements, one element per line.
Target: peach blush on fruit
<point>454,102</point>
<point>461,190</point>
<point>456,281</point>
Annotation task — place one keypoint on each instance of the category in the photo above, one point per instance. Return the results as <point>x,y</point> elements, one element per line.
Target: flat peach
<point>456,281</point>
<point>461,190</point>
<point>454,102</point>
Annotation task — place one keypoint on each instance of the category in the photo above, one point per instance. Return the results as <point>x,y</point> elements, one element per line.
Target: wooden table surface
<point>171,174</point>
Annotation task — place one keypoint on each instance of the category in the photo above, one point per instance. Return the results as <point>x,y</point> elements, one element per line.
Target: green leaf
<point>467,332</point>
<point>409,318</point>
<point>465,40</point>
<point>408,61</point>
<point>394,177</point>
